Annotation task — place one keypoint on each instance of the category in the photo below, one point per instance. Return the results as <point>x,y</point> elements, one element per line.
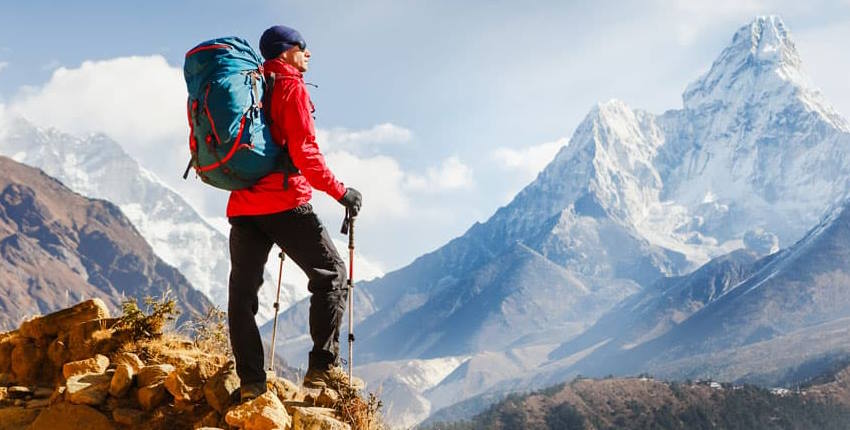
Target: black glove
<point>352,200</point>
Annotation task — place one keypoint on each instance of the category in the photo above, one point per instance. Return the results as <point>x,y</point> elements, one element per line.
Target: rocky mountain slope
<point>644,403</point>
<point>98,167</point>
<point>59,247</point>
<point>750,162</point>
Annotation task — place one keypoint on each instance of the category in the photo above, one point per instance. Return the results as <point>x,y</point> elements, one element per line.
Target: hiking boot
<point>248,392</point>
<point>334,377</point>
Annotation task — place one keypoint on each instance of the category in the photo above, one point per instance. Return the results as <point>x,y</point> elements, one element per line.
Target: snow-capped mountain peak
<point>761,61</point>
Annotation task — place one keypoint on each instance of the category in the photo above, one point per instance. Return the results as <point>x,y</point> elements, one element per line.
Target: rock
<point>153,374</point>
<point>18,392</point>
<point>177,383</point>
<point>221,388</point>
<point>58,353</point>
<point>285,389</point>
<point>128,417</point>
<point>19,402</point>
<point>211,419</point>
<point>152,396</point>
<point>52,324</point>
<point>327,398</point>
<point>38,403</point>
<point>266,412</point>
<point>27,361</point>
<point>6,379</point>
<point>42,392</point>
<point>122,380</point>
<point>6,347</point>
<point>130,359</point>
<point>67,416</point>
<point>87,389</point>
<point>316,419</point>
<point>96,364</point>
<point>85,338</point>
<point>58,394</point>
<point>17,418</point>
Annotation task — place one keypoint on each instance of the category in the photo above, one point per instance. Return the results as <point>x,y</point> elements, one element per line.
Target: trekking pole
<point>348,228</point>
<point>276,309</point>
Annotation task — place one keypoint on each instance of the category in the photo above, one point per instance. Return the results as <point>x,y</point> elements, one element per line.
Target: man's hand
<point>351,200</point>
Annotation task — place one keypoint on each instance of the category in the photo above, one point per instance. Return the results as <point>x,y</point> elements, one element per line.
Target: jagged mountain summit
<point>59,247</point>
<point>97,166</point>
<point>750,162</point>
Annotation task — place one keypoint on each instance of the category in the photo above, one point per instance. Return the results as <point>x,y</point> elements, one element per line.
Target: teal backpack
<point>229,138</point>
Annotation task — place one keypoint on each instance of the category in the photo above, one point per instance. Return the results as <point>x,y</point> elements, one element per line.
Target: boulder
<point>42,392</point>
<point>58,394</point>
<point>88,389</point>
<point>327,398</point>
<point>57,322</point>
<point>67,416</point>
<point>220,390</point>
<point>130,359</point>
<point>317,419</point>
<point>128,417</point>
<point>58,353</point>
<point>122,380</point>
<point>266,412</point>
<point>38,404</point>
<point>181,390</point>
<point>84,338</point>
<point>151,396</point>
<point>17,418</point>
<point>211,419</point>
<point>96,364</point>
<point>27,362</point>
<point>153,374</point>
<point>18,392</point>
<point>285,389</point>
<point>6,347</point>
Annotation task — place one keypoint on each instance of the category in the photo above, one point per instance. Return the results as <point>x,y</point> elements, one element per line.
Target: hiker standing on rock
<point>276,210</point>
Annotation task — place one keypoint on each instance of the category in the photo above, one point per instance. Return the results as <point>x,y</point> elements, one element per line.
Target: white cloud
<point>342,138</point>
<point>3,65</point>
<point>378,178</point>
<point>139,101</point>
<point>451,174</point>
<point>528,161</point>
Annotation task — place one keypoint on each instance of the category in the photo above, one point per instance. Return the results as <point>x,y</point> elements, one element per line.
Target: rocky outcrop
<point>161,383</point>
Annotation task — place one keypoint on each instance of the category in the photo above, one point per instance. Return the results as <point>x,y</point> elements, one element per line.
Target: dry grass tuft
<point>209,332</point>
<point>360,413</point>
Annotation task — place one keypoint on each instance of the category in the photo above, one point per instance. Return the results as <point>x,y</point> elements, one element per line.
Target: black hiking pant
<point>305,240</point>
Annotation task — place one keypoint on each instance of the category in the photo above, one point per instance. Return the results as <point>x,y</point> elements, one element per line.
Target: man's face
<point>297,57</point>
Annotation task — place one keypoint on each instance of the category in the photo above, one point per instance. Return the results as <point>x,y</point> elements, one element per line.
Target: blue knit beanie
<point>279,39</point>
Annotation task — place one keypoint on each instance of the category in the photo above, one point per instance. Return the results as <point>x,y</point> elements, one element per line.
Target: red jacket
<point>292,123</point>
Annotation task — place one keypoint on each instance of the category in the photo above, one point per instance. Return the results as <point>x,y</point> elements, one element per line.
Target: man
<point>276,210</point>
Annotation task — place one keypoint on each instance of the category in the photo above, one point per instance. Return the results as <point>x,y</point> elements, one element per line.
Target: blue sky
<point>439,111</point>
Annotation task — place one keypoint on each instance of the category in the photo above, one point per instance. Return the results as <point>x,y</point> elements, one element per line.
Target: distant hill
<point>59,248</point>
<point>646,403</point>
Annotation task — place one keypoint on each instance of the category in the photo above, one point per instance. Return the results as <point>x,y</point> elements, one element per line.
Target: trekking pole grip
<point>345,222</point>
